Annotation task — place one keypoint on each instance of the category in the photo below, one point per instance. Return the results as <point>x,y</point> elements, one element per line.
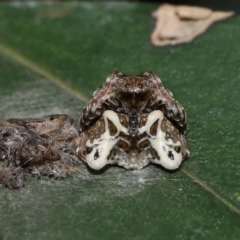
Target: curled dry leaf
<point>181,24</point>
<point>130,121</point>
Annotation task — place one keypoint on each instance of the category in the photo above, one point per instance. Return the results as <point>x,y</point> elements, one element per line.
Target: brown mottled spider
<point>130,121</point>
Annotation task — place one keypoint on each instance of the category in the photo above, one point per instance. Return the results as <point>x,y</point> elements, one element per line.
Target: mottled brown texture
<point>142,120</point>
<point>94,132</point>
<point>132,95</point>
<point>44,146</point>
<point>174,134</point>
<point>153,128</point>
<point>123,120</point>
<point>54,145</point>
<point>144,144</point>
<point>112,128</point>
<point>12,177</point>
<point>132,149</point>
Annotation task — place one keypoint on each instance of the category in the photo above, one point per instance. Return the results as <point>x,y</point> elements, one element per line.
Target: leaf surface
<point>54,56</point>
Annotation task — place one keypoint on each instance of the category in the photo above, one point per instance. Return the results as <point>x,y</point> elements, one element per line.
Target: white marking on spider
<point>102,146</point>
<point>169,158</point>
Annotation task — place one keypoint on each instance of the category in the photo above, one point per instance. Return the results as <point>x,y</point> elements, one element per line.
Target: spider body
<point>130,121</point>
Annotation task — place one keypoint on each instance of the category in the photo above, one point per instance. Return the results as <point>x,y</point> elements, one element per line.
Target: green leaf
<point>52,57</point>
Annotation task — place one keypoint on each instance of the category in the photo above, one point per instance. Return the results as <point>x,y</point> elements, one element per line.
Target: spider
<point>130,121</point>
